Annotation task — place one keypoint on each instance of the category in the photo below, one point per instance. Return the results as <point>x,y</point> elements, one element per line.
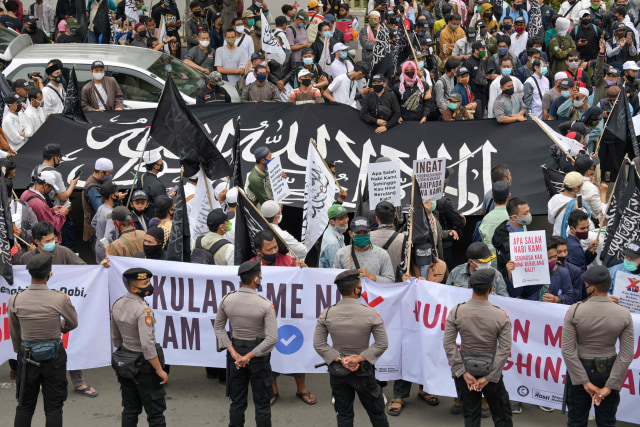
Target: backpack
<point>200,255</point>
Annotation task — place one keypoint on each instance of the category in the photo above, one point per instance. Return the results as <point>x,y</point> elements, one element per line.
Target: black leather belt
<point>601,364</point>
<point>246,343</point>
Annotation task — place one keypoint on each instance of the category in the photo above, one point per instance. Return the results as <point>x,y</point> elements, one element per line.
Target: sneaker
<point>516,407</point>
<point>546,408</point>
<point>455,409</point>
<point>485,412</point>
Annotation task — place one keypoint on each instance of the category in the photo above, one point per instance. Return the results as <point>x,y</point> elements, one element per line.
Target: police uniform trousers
<point>579,401</point>
<point>51,375</point>
<point>143,391</point>
<point>471,403</point>
<point>369,393</point>
<point>258,373</point>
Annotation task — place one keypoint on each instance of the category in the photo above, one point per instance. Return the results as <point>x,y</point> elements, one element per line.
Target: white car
<point>140,72</point>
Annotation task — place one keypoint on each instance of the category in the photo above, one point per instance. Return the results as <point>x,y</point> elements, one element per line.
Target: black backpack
<point>200,255</point>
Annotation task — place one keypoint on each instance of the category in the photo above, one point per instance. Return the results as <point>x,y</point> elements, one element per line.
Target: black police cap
<point>40,265</point>
<point>249,268</point>
<point>137,273</point>
<point>482,278</point>
<point>596,275</point>
<point>347,276</point>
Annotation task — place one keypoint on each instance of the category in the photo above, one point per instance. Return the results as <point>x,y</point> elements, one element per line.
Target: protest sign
<point>529,252</point>
<point>279,185</point>
<point>430,177</point>
<point>627,288</point>
<point>384,183</point>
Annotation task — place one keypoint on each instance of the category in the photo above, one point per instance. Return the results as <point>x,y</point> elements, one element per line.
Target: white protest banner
<point>89,345</point>
<point>627,288</point>
<point>430,177</point>
<point>269,43</point>
<point>570,145</point>
<point>384,183</point>
<point>201,205</point>
<point>279,185</point>
<point>529,252</point>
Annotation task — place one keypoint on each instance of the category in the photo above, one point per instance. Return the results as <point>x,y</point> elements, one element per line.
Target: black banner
<point>471,147</point>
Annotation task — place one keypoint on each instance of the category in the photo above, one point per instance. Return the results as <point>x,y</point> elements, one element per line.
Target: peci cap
<point>480,251</point>
<point>108,188</point>
<point>573,179</point>
<point>630,65</point>
<point>482,278</point>
<point>336,211</point>
<point>249,268</point>
<point>151,157</point>
<point>596,275</point>
<point>97,64</point>
<point>48,177</point>
<point>103,164</point>
<point>261,153</point>
<point>360,223</point>
<point>120,213</point>
<point>270,208</point>
<point>632,250</point>
<point>216,218</point>
<point>347,276</point>
<point>139,195</point>
<point>40,265</point>
<point>584,162</point>
<point>157,233</point>
<point>500,190</point>
<point>137,273</point>
<point>338,47</point>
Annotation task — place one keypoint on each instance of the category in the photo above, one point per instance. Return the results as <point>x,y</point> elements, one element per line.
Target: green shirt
<point>259,187</point>
<point>489,224</point>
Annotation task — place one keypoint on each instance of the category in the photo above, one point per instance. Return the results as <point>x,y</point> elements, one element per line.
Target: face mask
<point>520,30</point>
<point>146,291</point>
<point>98,76</point>
<point>452,106</point>
<point>362,240</point>
<point>73,31</point>
<point>488,15</point>
<point>269,259</point>
<point>483,32</point>
<point>552,265</point>
<point>565,94</point>
<point>506,27</point>
<point>454,27</point>
<point>204,43</point>
<point>142,34</point>
<point>57,79</point>
<point>266,162</point>
<point>503,50</point>
<point>509,91</point>
<point>307,61</point>
<point>326,34</point>
<point>562,259</point>
<point>305,82</point>
<point>373,22</point>
<point>544,71</point>
<point>578,103</point>
<point>259,5</point>
<point>506,71</point>
<point>344,54</point>
<point>240,29</point>
<point>420,65</point>
<point>197,13</point>
<point>231,42</point>
<point>340,229</point>
<point>140,13</point>
<point>586,21</point>
<point>517,6</point>
<point>582,235</point>
<point>574,64</point>
<point>152,251</point>
<point>301,25</point>
<point>482,54</point>
<point>482,265</point>
<point>611,82</point>
<point>49,247</point>
<point>434,206</point>
<point>378,88</point>
<point>595,7</point>
<point>251,22</point>
<point>261,77</point>
<point>525,220</point>
<point>630,266</point>
<point>410,74</point>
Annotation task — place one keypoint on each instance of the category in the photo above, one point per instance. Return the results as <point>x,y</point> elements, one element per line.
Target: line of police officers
<point>590,332</point>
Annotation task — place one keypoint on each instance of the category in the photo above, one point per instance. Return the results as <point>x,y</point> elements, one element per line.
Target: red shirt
<point>282,260</point>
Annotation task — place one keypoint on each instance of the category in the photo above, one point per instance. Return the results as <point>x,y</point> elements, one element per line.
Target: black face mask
<point>586,21</point>
<point>269,259</point>
<point>305,82</point>
<point>138,212</point>
<point>161,167</point>
<point>142,34</point>
<point>146,291</point>
<point>562,259</point>
<point>152,251</point>
<point>197,13</point>
<point>57,79</point>
<point>378,88</point>
<point>506,27</point>
<point>509,91</point>
<point>410,74</point>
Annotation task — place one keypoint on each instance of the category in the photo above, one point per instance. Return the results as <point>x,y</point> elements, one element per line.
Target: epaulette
<point>16,296</point>
<point>501,309</point>
<point>575,309</point>
<point>225,297</point>
<point>455,315</point>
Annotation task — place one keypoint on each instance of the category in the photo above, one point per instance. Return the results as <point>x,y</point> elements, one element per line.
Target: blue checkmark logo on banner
<point>290,339</point>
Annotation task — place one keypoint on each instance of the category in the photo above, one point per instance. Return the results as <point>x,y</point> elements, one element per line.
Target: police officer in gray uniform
<point>35,327</point>
<point>589,336</point>
<point>351,359</point>
<point>477,366</point>
<point>255,333</point>
<point>138,361</point>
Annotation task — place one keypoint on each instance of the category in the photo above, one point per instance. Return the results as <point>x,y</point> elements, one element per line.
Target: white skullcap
<point>374,13</point>
<point>103,164</point>
<point>559,76</point>
<point>232,195</point>
<point>150,157</point>
<point>270,208</point>
<point>584,91</point>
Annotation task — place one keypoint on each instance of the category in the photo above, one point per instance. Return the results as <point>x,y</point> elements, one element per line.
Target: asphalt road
<point>193,400</point>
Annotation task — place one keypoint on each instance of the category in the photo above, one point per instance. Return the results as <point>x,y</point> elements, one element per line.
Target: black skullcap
<point>157,233</point>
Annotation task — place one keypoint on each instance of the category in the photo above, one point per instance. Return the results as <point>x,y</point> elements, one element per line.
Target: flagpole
<point>626,158</point>
<point>246,199</point>
<point>206,185</point>
<point>325,163</point>
<point>535,119</point>
<point>413,183</point>
<point>606,123</point>
<point>135,176</point>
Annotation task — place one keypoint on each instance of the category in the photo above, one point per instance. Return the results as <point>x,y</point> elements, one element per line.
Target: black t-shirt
<point>38,37</point>
<point>64,38</point>
<point>208,95</point>
<point>13,23</point>
<point>171,15</point>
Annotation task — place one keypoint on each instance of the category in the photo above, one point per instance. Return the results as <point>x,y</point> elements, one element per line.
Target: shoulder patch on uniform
<point>148,317</point>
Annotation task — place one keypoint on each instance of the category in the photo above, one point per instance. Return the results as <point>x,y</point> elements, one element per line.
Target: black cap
<point>613,71</point>
<point>51,150</point>
<point>216,218</point>
<point>257,55</point>
<point>12,98</point>
<point>30,18</point>
<point>592,114</point>
<point>163,202</point>
<point>480,251</point>
<point>306,51</point>
<point>157,233</point>
<point>249,268</point>
<point>137,273</point>
<point>566,83</point>
<point>281,20</point>
<point>579,127</point>
<point>632,250</point>
<point>360,223</point>
<point>107,188</point>
<point>584,162</point>
<point>139,195</point>
<point>482,278</point>
<point>378,78</point>
<point>261,153</point>
<point>597,275</point>
<point>97,64</point>
<point>120,213</point>
<point>471,33</point>
<point>422,24</point>
<point>423,253</point>
<point>347,277</point>
<point>40,265</point>
<point>500,190</point>
<point>20,83</point>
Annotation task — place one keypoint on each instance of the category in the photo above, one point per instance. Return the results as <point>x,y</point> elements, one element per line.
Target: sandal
<point>274,399</point>
<point>395,407</point>
<point>308,401</point>
<point>430,399</point>
<point>85,390</point>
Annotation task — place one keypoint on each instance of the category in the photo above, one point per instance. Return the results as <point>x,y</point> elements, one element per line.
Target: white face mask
<point>279,219</point>
<point>204,43</point>
<point>240,29</point>
<point>482,265</point>
<point>98,76</point>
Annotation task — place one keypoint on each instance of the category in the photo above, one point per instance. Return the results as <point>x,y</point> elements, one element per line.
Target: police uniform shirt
<point>350,324</point>
<point>591,329</point>
<point>133,325</point>
<point>250,316</point>
<point>34,314</point>
<point>480,325</point>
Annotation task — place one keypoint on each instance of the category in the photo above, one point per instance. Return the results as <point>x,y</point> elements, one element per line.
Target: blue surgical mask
<point>301,25</point>
<point>630,266</point>
<point>420,65</point>
<point>140,13</point>
<point>307,61</point>
<point>261,77</point>
<point>326,34</point>
<point>267,161</point>
<point>344,54</point>
<point>565,94</point>
<point>506,71</point>
<point>503,50</point>
<point>49,247</point>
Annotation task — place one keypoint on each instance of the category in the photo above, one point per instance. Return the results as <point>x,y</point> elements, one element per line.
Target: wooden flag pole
<point>325,163</point>
<point>535,119</point>
<point>206,185</point>
<point>411,209</point>
<point>626,158</point>
<point>606,123</point>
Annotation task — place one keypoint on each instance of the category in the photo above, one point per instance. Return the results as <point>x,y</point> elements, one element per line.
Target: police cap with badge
<point>137,273</point>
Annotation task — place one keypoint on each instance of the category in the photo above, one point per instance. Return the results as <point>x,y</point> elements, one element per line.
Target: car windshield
<point>188,80</point>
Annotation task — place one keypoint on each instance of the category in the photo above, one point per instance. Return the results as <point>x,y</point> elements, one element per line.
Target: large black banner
<point>471,147</point>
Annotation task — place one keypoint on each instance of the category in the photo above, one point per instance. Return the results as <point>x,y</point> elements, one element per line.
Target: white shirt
<point>536,102</point>
<point>189,190</point>
<point>574,16</point>
<point>344,90</point>
<point>339,67</point>
<point>556,207</point>
<point>52,102</point>
<point>591,197</point>
<point>13,124</point>
<point>283,38</point>
<point>247,43</point>
<point>494,91</point>
<point>518,45</point>
<point>103,94</point>
<point>296,247</point>
<point>35,116</point>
